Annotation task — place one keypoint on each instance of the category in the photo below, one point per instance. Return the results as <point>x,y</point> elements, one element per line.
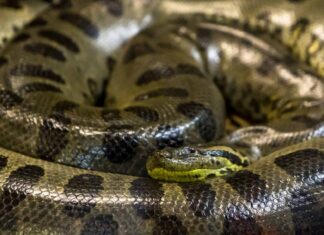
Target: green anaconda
<point>179,89</point>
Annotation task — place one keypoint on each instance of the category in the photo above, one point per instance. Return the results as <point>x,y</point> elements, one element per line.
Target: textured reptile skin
<point>58,59</point>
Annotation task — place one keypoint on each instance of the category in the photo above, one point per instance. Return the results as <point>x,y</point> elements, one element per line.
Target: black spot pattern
<point>4,39</point>
<point>59,109</point>
<point>166,45</point>
<point>149,194</point>
<point>92,84</point>
<point>307,212</point>
<point>266,67</point>
<point>102,224</point>
<point>110,63</point>
<point>249,186</point>
<point>137,50</point>
<point>120,143</point>
<point>201,198</point>
<point>166,72</point>
<point>245,41</point>
<point>240,220</point>
<point>16,28</point>
<point>310,72</point>
<point>310,54</point>
<point>8,99</point>
<point>145,113</point>
<point>169,225</point>
<point>204,36</point>
<point>86,97</point>
<point>102,96</point>
<point>189,69</point>
<point>306,120</point>
<point>110,114</point>
<point>3,162</point>
<point>300,24</point>
<point>264,18</point>
<point>36,71</point>
<point>162,72</point>
<point>46,50</point>
<point>3,61</point>
<point>306,166</point>
<point>114,7</point>
<point>15,4</point>
<point>61,4</point>
<point>296,1</point>
<point>53,131</point>
<point>165,92</point>
<point>254,105</point>
<point>225,154</point>
<point>303,164</point>
<point>21,38</point>
<point>168,136</point>
<point>205,122</point>
<point>38,87</point>
<point>87,185</point>
<point>36,23</point>
<point>60,39</point>
<point>18,185</point>
<point>82,23</point>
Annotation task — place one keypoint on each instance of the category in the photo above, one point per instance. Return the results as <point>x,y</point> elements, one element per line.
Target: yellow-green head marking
<point>192,164</point>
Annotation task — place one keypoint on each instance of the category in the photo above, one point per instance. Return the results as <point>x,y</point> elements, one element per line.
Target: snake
<point>161,117</point>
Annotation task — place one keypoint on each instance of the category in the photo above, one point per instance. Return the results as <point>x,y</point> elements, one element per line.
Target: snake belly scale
<point>158,62</point>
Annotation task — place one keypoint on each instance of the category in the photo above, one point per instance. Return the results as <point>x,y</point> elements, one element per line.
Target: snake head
<point>189,164</point>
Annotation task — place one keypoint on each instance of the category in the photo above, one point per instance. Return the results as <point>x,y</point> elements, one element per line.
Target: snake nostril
<point>209,176</point>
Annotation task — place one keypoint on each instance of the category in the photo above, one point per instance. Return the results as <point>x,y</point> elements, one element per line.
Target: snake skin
<point>59,58</point>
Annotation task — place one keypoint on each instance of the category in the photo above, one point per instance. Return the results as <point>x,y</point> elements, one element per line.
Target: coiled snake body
<point>56,59</point>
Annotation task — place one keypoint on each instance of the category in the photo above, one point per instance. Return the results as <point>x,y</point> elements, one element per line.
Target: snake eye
<point>245,163</point>
<point>190,150</point>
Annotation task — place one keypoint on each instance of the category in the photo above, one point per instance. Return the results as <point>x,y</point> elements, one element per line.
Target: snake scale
<point>158,63</point>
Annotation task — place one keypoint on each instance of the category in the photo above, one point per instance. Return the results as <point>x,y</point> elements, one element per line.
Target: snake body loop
<point>180,90</point>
